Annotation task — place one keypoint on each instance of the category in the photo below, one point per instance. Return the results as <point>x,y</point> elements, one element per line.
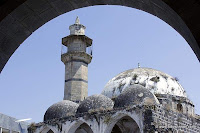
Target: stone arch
<point>48,129</point>
<point>29,15</point>
<point>124,122</point>
<point>84,128</point>
<point>79,127</point>
<point>126,125</point>
<point>116,129</point>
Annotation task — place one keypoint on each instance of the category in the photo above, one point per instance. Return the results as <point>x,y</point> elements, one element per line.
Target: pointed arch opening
<point>84,128</point>
<point>116,129</point>
<point>50,131</point>
<point>126,125</point>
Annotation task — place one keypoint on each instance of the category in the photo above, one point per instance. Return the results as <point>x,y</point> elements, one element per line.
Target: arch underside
<point>47,129</point>
<point>126,125</point>
<point>84,128</point>
<point>19,19</point>
<point>50,131</point>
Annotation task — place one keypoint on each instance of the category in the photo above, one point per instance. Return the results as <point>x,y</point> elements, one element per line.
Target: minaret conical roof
<point>77,28</point>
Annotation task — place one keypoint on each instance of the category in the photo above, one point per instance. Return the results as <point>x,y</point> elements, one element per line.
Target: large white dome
<point>155,81</point>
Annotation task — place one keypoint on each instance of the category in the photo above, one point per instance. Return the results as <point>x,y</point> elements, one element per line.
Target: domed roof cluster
<point>155,81</point>
<point>133,87</point>
<point>66,108</point>
<point>134,95</point>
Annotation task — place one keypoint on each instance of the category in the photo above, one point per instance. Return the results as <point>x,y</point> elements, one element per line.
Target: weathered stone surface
<point>22,12</point>
<point>135,95</point>
<point>166,120</point>
<point>76,62</point>
<point>94,103</point>
<point>48,14</point>
<point>40,7</point>
<point>153,80</point>
<point>32,22</point>
<point>171,102</point>
<point>61,109</point>
<point>147,118</point>
<point>182,15</point>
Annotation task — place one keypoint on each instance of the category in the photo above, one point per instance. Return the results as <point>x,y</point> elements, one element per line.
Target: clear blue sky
<point>33,78</point>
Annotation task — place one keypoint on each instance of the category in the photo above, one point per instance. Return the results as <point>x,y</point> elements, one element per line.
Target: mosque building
<point>140,100</point>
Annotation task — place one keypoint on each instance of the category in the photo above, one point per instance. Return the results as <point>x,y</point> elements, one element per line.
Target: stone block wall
<point>76,81</point>
<point>76,69</point>
<point>77,45</point>
<point>167,120</point>
<point>176,104</point>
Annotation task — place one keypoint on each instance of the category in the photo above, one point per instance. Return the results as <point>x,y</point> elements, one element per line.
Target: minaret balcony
<point>65,49</point>
<point>76,56</point>
<point>70,39</point>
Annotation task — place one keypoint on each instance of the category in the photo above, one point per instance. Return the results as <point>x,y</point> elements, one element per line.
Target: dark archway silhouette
<point>19,19</point>
<point>50,131</point>
<point>84,128</point>
<point>126,125</point>
<point>47,130</point>
<point>116,129</point>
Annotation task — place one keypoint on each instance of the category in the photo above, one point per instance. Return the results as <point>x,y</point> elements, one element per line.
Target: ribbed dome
<point>155,81</point>
<point>61,109</point>
<point>95,103</point>
<point>135,95</point>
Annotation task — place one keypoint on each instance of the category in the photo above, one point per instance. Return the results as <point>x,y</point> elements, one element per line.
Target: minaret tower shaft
<point>76,62</point>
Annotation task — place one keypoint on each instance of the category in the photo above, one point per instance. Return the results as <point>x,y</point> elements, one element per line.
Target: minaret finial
<point>77,20</point>
<point>138,65</point>
<point>77,28</point>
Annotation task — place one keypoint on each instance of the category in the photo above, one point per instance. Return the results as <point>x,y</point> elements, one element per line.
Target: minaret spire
<point>76,62</point>
<point>77,20</point>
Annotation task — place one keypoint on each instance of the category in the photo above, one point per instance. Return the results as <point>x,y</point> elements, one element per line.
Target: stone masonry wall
<point>76,81</point>
<point>167,120</point>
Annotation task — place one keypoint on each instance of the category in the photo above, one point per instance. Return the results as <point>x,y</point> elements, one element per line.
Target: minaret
<point>76,62</point>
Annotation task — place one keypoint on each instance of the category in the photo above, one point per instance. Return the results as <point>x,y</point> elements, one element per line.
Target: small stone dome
<point>155,81</point>
<point>95,103</point>
<point>135,95</point>
<point>61,109</point>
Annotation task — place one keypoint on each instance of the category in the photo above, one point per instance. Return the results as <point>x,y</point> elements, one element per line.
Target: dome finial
<point>77,20</point>
<point>138,65</point>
